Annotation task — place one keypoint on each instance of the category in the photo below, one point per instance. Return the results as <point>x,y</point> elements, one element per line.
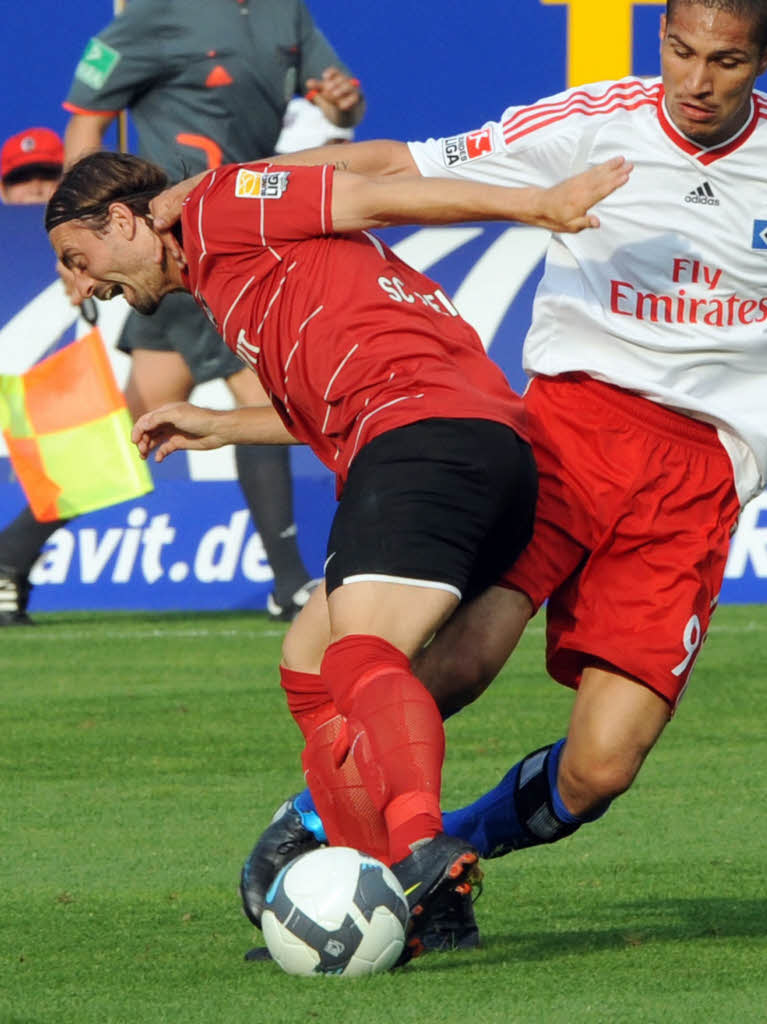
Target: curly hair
<point>96,181</point>
<point>751,10</point>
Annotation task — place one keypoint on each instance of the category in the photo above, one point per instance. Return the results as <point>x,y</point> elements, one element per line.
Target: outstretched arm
<point>378,157</point>
<point>382,157</point>
<point>181,425</point>
<point>360,202</point>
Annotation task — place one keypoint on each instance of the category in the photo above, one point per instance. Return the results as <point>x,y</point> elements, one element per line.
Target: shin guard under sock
<point>339,794</point>
<point>395,733</point>
<point>524,809</point>
<point>333,776</point>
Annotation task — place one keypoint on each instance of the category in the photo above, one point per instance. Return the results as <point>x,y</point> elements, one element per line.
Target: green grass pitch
<point>141,756</point>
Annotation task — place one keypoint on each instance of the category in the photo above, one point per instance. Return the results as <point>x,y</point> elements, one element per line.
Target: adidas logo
<point>703,195</point>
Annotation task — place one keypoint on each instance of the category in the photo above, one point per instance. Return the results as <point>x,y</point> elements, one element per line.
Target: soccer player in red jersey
<point>647,353</point>
<point>368,362</point>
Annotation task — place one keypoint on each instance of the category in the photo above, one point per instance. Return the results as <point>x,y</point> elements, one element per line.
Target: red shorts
<point>635,511</point>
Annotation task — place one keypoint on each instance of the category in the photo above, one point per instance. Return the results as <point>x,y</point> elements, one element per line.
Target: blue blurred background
<point>431,68</point>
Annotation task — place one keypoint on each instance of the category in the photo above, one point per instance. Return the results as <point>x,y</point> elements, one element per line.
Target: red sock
<point>348,814</point>
<point>396,735</point>
<point>309,702</point>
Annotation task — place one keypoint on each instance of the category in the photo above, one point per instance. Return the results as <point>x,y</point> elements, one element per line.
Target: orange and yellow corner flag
<point>68,433</point>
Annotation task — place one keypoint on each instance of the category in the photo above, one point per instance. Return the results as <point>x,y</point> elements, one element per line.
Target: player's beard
<point>146,300</point>
<point>145,304</point>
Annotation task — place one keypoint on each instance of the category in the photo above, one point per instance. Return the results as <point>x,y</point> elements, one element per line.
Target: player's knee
<point>585,784</point>
<point>307,639</point>
<point>301,650</point>
<point>456,678</point>
<point>472,648</point>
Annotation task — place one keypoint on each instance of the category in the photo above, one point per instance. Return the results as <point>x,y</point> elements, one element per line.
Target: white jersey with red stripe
<point>668,298</point>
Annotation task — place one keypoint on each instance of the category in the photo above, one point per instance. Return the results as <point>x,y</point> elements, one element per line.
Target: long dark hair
<point>96,181</point>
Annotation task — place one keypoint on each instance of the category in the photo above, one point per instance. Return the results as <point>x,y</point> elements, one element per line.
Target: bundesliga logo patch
<point>97,64</point>
<point>255,185</point>
<point>459,149</point>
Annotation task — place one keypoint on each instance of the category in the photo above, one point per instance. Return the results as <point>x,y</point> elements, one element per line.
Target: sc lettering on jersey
<point>436,300</point>
<point>459,149</point>
<point>257,185</point>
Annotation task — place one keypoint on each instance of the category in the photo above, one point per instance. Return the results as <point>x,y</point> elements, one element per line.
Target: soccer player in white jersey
<point>647,356</point>
<point>647,353</point>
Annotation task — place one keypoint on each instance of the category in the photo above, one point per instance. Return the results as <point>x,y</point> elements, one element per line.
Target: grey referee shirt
<point>206,81</point>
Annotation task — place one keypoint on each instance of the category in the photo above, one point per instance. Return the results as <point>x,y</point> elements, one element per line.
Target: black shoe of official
<point>431,877</point>
<point>14,596</point>
<point>288,612</point>
<point>284,839</point>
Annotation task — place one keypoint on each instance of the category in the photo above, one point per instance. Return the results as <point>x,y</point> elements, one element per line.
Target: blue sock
<point>524,809</point>
<point>310,819</point>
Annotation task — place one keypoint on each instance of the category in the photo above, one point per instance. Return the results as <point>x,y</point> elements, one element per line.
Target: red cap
<point>33,146</point>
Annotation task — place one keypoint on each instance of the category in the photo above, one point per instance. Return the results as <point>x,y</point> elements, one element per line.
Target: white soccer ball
<point>335,911</point>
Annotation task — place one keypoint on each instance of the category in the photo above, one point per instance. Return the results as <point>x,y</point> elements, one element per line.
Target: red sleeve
<point>261,204</point>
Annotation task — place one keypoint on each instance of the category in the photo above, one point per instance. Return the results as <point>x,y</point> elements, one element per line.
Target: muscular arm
<point>398,195</point>
<point>379,157</point>
<point>382,158</point>
<point>180,426</point>
<point>84,134</point>
<point>361,202</point>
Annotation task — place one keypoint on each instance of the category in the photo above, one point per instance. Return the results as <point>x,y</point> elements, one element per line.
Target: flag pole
<point>122,117</point>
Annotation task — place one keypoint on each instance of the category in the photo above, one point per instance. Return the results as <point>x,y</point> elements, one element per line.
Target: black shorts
<point>179,325</point>
<point>443,502</point>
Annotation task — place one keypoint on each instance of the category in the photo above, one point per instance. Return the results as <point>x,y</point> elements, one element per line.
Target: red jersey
<point>347,340</point>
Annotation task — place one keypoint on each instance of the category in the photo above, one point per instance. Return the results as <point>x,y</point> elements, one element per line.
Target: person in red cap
<point>30,166</point>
